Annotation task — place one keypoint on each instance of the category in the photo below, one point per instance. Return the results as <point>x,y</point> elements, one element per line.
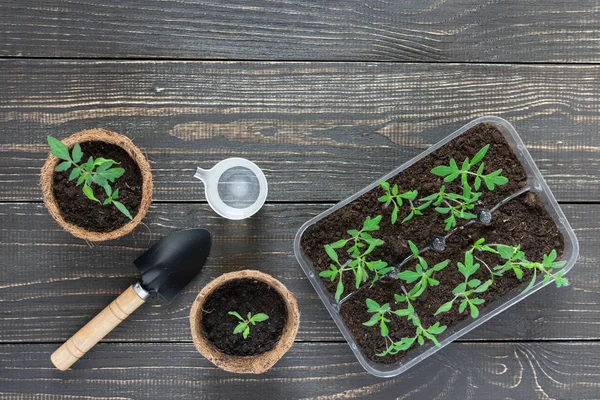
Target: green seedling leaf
<point>480,154</point>
<point>235,314</point>
<point>474,310</point>
<point>239,328</point>
<point>113,173</point>
<point>339,290</point>
<point>259,317</point>
<point>63,166</point>
<point>76,153</point>
<point>74,173</point>
<point>413,249</point>
<point>331,253</point>
<point>89,193</point>
<point>59,149</point>
<point>444,307</point>
<point>373,321</point>
<point>121,207</point>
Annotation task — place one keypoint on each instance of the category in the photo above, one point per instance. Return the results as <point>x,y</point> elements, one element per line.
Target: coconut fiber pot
<point>252,364</point>
<point>97,135</point>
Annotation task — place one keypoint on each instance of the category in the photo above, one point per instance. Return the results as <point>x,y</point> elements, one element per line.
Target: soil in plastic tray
<point>243,296</point>
<point>78,210</point>
<point>523,220</point>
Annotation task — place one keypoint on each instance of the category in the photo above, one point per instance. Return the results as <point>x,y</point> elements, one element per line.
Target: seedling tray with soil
<point>437,247</point>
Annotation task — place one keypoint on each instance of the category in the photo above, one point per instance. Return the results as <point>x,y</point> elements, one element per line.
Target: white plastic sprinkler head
<point>235,188</point>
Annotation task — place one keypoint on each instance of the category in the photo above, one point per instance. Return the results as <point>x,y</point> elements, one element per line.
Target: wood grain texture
<point>320,132</point>
<point>323,371</point>
<point>413,30</point>
<point>51,283</point>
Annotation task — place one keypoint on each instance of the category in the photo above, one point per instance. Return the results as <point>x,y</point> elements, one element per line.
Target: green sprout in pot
<point>382,315</point>
<point>454,205</point>
<point>515,261</point>
<point>362,243</point>
<point>423,274</point>
<point>244,326</point>
<point>99,171</point>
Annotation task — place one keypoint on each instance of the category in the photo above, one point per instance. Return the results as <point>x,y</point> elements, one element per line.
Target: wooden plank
<point>323,371</point>
<point>51,283</point>
<point>416,30</point>
<point>321,132</point>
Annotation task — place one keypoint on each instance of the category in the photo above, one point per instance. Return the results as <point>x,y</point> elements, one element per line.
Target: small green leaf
<point>442,170</point>
<point>436,329</point>
<point>441,266</point>
<point>413,249</point>
<point>474,283</point>
<point>408,276</point>
<point>99,180</point>
<point>373,321</point>
<point>121,207</point>
<point>474,310</point>
<point>107,189</point>
<point>246,332</point>
<point>63,166</point>
<point>80,180</point>
<point>339,290</point>
<point>385,185</point>
<point>395,214</point>
<point>336,245</point>
<point>88,165</point>
<point>59,149</point>
<point>372,305</point>
<point>461,288</point>
<point>89,193</point>
<point>463,306</point>
<point>444,307</point>
<point>76,153</point>
<point>484,286</point>
<point>113,174</point>
<point>480,154</point>
<point>331,253</point>
<point>235,314</point>
<point>239,328</point>
<point>260,317</point>
<point>74,173</point>
<point>528,288</point>
<point>409,216</point>
<point>384,328</point>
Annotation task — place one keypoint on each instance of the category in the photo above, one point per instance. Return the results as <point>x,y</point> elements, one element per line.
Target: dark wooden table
<point>326,96</point>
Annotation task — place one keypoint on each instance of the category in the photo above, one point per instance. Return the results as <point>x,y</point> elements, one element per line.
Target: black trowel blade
<point>172,263</point>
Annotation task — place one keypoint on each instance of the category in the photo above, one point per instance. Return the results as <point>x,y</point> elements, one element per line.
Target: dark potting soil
<point>77,209</point>
<point>523,220</point>
<point>243,296</point>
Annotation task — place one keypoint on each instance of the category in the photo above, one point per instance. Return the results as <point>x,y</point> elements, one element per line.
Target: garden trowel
<point>167,267</point>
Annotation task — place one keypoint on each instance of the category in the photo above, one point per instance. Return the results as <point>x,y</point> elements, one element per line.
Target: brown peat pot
<point>47,182</point>
<point>252,364</point>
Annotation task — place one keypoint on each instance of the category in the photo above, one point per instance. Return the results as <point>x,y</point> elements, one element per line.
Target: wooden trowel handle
<point>72,350</point>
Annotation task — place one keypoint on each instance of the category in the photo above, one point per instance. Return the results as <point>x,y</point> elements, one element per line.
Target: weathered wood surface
<point>320,131</point>
<point>51,283</point>
<point>411,30</point>
<point>323,371</point>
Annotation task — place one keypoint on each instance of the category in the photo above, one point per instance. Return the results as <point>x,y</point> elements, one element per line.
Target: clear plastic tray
<point>416,355</point>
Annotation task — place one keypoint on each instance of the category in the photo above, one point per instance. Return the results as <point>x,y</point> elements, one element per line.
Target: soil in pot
<point>523,220</point>
<point>243,296</point>
<point>78,210</point>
